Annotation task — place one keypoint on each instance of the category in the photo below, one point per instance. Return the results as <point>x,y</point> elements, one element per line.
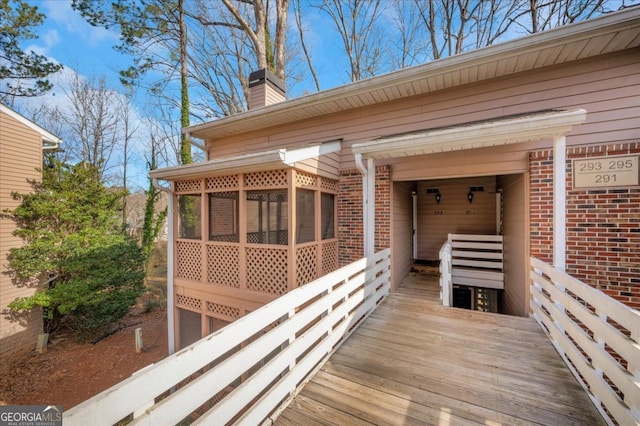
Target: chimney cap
<point>265,76</point>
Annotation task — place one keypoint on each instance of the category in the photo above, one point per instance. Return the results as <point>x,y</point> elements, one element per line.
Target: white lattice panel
<point>189,260</point>
<point>267,270</point>
<point>224,311</point>
<point>306,258</point>
<point>188,302</point>
<point>223,265</point>
<point>328,184</point>
<point>305,180</point>
<point>268,179</point>
<point>222,182</point>
<point>329,257</point>
<point>190,186</point>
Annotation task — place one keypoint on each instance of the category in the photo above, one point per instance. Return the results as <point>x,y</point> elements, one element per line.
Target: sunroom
<point>247,229</point>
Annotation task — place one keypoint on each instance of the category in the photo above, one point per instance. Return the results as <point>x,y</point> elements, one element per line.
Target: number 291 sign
<point>606,172</point>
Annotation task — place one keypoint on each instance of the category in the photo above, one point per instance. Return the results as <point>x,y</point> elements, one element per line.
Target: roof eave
<point>535,126</point>
<point>556,37</point>
<point>266,160</point>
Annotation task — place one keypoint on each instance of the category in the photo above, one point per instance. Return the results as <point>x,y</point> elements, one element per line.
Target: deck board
<point>415,362</point>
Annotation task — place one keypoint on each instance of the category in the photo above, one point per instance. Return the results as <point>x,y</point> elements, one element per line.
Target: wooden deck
<point>415,362</point>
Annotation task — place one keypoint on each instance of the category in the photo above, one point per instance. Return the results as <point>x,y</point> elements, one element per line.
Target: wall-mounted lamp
<point>473,189</point>
<point>436,193</point>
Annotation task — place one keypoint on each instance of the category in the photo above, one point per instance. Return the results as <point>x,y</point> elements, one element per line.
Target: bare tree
<point>93,120</point>
<point>298,15</point>
<point>409,41</point>
<point>539,15</point>
<point>363,39</point>
<point>258,31</point>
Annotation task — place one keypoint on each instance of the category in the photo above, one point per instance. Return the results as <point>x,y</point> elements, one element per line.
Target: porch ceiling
<point>609,33</point>
<point>500,131</point>
<point>266,160</point>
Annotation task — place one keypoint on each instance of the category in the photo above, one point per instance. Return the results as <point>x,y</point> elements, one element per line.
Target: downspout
<point>170,258</point>
<point>368,203</point>
<point>559,202</point>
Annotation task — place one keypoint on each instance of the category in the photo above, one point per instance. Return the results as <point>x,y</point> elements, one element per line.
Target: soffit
<point>609,33</point>
<point>248,163</point>
<point>501,131</point>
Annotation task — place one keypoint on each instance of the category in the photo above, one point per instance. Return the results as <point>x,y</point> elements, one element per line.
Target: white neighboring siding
<point>20,157</point>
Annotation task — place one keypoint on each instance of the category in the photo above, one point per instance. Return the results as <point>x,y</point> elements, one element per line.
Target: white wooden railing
<point>470,260</point>
<point>597,336</point>
<point>248,371</point>
<point>446,286</point>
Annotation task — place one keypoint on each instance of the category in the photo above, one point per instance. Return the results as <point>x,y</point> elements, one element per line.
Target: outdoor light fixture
<point>473,189</point>
<point>436,193</point>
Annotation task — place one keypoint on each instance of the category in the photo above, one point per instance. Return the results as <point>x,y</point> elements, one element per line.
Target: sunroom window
<point>223,216</point>
<point>267,219</point>
<point>305,216</point>
<point>189,216</point>
<point>328,223</point>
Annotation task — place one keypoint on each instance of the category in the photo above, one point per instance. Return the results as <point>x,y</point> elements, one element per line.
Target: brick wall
<point>350,226</point>
<point>603,225</point>
<point>383,208</point>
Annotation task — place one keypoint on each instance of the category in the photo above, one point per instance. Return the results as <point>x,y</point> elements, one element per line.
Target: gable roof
<point>609,33</point>
<point>47,137</point>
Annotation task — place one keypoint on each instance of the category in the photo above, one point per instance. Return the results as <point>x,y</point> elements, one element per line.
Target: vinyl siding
<point>515,225</point>
<point>607,87</point>
<point>454,214</point>
<point>20,157</point>
<point>402,235</point>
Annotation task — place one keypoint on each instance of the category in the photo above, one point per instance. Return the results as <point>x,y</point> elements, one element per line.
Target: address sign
<point>606,172</point>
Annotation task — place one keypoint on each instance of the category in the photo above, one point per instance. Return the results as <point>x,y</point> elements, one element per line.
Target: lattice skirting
<point>223,265</point>
<point>267,270</point>
<point>189,260</point>
<point>329,256</point>
<point>306,264</point>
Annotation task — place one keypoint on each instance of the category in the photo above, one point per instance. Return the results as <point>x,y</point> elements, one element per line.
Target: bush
<point>71,232</point>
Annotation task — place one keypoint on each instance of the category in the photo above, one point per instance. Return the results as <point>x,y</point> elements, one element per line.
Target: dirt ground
<point>71,372</point>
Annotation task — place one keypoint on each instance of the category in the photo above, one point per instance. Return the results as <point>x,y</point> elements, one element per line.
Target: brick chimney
<point>265,89</point>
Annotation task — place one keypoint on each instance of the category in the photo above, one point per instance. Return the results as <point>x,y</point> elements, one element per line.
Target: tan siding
<point>401,235</point>
<point>20,156</point>
<point>599,85</point>
<point>454,214</point>
<point>515,226</point>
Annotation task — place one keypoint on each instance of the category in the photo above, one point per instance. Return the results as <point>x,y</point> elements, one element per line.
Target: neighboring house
<point>21,151</point>
<point>293,189</point>
<point>135,205</point>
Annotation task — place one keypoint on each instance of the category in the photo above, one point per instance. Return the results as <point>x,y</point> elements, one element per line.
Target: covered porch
<point>416,362</point>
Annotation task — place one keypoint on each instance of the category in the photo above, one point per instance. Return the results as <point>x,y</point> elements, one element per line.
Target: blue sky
<point>66,38</point>
<point>70,40</point>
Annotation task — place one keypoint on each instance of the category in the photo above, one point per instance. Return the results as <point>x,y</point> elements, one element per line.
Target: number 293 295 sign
<point>606,172</point>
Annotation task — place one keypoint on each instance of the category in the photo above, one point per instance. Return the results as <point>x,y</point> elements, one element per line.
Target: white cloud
<point>61,12</point>
<point>48,40</point>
